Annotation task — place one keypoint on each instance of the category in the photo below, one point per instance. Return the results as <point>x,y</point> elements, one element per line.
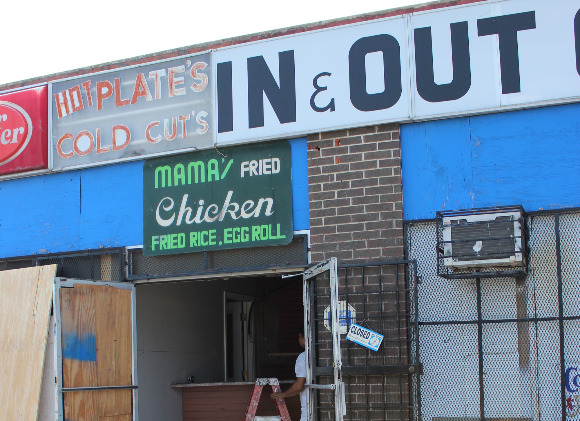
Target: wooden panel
<point>25,303</point>
<point>80,406</point>
<point>97,351</point>
<point>114,349</point>
<point>79,345</point>
<point>83,406</point>
<point>79,351</point>
<point>224,402</point>
<point>490,160</point>
<point>103,213</point>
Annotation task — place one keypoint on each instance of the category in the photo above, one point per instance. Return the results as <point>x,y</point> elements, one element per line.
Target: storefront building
<point>170,208</point>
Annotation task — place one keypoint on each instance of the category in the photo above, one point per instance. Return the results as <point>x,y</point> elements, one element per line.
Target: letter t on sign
<point>507,28</point>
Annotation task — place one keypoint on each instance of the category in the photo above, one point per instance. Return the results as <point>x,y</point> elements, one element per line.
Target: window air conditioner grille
<point>481,241</point>
<point>484,242</point>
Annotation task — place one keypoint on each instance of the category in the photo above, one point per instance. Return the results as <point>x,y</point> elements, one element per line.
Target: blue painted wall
<point>529,157</point>
<point>300,203</point>
<point>97,207</point>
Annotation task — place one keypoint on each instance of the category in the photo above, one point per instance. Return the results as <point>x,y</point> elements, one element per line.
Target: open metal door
<point>323,356</point>
<point>95,351</point>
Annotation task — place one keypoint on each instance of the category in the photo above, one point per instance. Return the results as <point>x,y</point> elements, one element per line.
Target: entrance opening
<point>239,350</point>
<point>196,336</point>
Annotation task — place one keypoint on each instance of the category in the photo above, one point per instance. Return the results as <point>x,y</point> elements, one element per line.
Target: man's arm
<point>296,388</point>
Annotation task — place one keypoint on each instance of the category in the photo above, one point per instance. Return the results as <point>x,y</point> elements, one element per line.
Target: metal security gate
<point>502,348</point>
<point>380,385</point>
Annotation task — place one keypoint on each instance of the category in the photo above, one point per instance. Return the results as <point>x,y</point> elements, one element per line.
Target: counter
<point>229,401</point>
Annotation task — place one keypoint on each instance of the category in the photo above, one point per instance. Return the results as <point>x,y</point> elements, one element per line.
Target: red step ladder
<point>255,399</point>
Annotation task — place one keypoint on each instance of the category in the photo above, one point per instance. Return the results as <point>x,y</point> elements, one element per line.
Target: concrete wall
<point>179,334</point>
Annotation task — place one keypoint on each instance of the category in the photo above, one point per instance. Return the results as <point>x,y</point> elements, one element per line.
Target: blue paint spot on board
<point>79,348</point>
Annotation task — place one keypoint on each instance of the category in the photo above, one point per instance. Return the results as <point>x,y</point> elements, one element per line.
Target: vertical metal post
<point>314,341</point>
<point>417,350</point>
<point>400,354</point>
<point>339,404</point>
<point>349,322</point>
<point>58,351</point>
<point>134,353</point>
<point>308,331</point>
<point>382,327</point>
<point>347,314</point>
<point>480,351</point>
<point>560,317</point>
<point>367,385</point>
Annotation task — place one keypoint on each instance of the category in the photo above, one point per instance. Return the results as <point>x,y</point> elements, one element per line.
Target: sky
<point>42,37</point>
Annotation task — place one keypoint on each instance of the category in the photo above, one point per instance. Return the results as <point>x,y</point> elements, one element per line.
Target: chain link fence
<point>501,348</point>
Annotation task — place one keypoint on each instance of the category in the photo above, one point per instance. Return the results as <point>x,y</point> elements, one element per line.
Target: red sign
<point>23,131</point>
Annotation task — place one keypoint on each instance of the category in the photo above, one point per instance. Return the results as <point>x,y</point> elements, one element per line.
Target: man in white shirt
<point>298,387</point>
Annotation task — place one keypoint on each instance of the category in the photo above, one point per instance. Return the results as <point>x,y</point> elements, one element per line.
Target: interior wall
<point>180,331</point>
<point>179,334</point>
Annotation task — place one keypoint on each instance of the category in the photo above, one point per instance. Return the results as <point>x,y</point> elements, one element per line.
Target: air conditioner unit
<point>480,240</point>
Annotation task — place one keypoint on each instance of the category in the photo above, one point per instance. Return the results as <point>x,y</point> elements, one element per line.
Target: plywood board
<point>25,303</point>
<point>80,406</point>
<point>79,351</point>
<point>47,404</point>
<point>114,349</point>
<point>79,344</point>
<point>97,351</point>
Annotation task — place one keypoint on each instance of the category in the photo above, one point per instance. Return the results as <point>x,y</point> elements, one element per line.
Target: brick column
<point>354,181</point>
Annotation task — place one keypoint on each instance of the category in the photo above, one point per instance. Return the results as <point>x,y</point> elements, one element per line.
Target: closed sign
<point>365,337</point>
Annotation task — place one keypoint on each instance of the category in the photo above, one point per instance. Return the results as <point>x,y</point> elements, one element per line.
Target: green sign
<point>218,199</point>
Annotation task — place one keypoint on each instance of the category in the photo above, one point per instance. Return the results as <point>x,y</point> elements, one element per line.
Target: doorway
<point>239,350</point>
<point>213,331</point>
